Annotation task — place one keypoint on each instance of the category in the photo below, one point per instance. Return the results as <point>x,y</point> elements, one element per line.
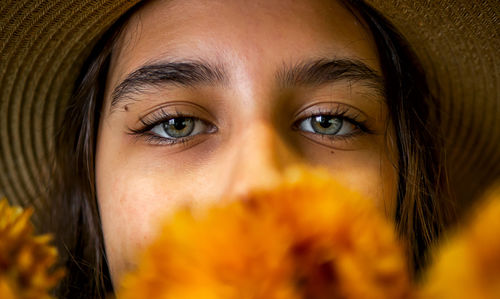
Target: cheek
<point>134,193</point>
<point>372,171</point>
<point>127,213</point>
<point>373,175</point>
<point>131,198</point>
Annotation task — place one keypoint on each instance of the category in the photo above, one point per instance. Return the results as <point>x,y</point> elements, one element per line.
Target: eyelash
<point>161,116</point>
<point>156,118</point>
<point>338,112</point>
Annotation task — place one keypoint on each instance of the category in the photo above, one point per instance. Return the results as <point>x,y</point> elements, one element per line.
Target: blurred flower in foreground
<point>468,266</point>
<point>307,238</point>
<point>25,260</point>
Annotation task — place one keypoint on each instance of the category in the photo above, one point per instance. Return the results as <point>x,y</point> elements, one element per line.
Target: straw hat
<point>43,45</point>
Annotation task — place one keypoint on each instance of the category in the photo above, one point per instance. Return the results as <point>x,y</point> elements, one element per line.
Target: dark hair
<point>75,216</point>
<point>424,206</point>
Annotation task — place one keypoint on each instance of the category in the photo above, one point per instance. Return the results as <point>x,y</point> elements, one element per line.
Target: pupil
<point>326,124</point>
<point>179,127</point>
<point>179,123</point>
<point>325,121</point>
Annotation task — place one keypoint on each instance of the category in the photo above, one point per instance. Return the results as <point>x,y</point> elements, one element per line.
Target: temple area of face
<point>195,73</point>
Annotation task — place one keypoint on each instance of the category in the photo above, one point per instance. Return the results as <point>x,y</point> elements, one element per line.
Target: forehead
<point>259,35</point>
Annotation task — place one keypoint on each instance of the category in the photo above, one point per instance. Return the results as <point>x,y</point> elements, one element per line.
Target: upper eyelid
<point>349,113</point>
<point>337,106</point>
<point>161,115</point>
<point>201,112</point>
<point>325,112</point>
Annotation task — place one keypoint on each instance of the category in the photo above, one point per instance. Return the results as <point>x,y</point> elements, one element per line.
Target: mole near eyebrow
<point>322,71</point>
<point>187,73</point>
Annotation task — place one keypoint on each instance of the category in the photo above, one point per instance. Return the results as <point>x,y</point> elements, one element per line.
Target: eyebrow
<point>191,73</point>
<point>323,71</point>
<point>188,73</point>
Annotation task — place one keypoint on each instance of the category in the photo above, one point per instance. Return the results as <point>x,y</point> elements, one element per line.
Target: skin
<point>252,138</point>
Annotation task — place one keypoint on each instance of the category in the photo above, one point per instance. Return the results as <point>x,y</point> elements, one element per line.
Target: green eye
<point>326,125</point>
<point>179,127</point>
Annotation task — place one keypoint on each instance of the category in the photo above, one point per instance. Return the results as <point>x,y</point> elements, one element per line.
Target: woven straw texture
<point>458,44</point>
<point>43,45</point>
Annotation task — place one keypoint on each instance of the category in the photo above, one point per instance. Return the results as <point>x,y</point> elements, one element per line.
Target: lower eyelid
<point>336,142</point>
<point>156,140</point>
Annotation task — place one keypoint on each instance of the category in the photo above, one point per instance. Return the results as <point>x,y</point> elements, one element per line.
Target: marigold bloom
<point>307,238</point>
<point>25,260</point>
<point>468,266</point>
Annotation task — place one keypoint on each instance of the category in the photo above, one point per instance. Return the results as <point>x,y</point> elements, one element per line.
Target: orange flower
<point>307,238</point>
<point>25,260</point>
<point>468,266</point>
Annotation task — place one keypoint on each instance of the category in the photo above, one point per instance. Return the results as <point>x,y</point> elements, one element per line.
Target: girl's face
<point>206,99</point>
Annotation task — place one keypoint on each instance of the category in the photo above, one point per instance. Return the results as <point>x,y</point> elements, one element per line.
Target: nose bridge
<point>262,155</point>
